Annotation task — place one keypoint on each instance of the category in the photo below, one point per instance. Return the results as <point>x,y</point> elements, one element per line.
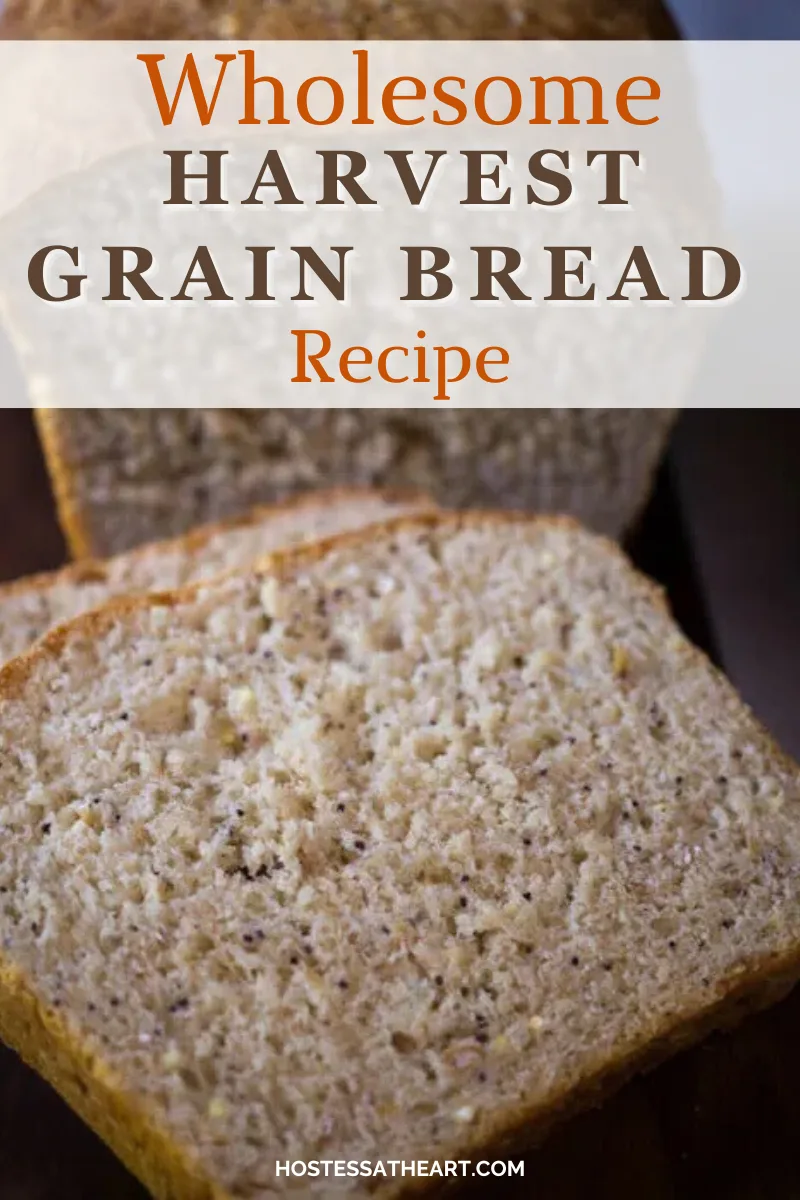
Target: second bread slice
<point>31,606</point>
<point>401,844</point>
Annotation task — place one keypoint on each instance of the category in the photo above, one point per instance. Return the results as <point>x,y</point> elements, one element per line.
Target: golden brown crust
<point>94,570</point>
<point>45,1040</point>
<point>521,1129</point>
<point>87,570</point>
<point>69,510</point>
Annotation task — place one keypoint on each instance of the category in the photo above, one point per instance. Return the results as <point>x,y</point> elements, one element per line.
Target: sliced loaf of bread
<point>124,476</point>
<point>327,19</point>
<point>31,606</point>
<point>396,847</point>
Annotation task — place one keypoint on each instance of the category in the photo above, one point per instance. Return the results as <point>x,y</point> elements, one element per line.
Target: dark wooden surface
<point>719,1121</point>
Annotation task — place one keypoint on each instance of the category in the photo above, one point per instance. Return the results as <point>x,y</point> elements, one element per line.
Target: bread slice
<point>137,19</point>
<point>394,848</point>
<point>126,476</point>
<point>31,606</point>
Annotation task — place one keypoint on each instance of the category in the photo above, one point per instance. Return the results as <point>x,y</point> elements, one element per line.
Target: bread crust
<point>45,1039</point>
<point>94,570</point>
<point>69,512</point>
<point>520,1130</point>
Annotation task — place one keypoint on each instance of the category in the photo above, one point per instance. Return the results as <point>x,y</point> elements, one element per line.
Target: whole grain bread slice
<point>31,606</point>
<point>181,19</point>
<point>396,847</point>
<point>124,476</point>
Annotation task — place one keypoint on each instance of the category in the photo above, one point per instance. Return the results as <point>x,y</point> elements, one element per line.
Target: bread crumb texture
<point>362,856</point>
<point>126,476</point>
<point>28,608</point>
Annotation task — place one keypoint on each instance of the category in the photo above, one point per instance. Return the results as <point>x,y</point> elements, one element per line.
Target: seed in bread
<point>29,607</point>
<point>376,852</point>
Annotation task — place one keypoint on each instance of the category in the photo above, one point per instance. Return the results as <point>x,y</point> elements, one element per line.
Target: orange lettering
<point>205,110</point>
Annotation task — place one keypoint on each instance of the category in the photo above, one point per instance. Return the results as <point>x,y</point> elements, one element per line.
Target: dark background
<point>723,534</point>
<point>765,20</point>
